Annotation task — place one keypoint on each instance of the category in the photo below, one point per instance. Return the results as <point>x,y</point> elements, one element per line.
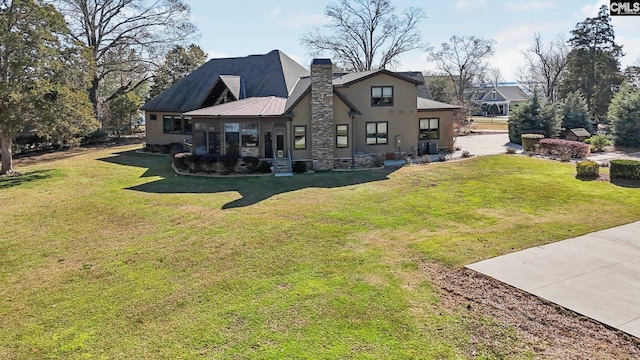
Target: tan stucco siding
<point>446,125</point>
<point>341,117</point>
<point>155,133</point>
<point>401,117</point>
<point>302,117</point>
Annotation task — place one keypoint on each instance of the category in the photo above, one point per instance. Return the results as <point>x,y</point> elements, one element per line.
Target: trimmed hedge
<point>264,167</point>
<point>587,169</point>
<point>625,169</point>
<point>299,167</point>
<point>251,162</point>
<point>558,147</point>
<point>180,160</point>
<point>530,142</point>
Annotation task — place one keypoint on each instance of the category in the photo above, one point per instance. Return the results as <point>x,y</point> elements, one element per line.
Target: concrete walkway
<point>596,275</point>
<point>486,144</point>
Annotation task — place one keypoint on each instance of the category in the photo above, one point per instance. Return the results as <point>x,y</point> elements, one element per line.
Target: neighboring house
<point>499,100</point>
<point>270,107</point>
<point>577,134</point>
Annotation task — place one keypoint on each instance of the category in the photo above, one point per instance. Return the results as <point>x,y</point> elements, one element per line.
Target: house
<point>498,100</point>
<point>270,107</point>
<point>577,134</point>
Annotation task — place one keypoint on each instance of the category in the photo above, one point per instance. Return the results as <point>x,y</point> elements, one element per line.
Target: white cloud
<point>470,5</point>
<point>591,10</point>
<point>529,5</point>
<point>301,19</point>
<point>276,12</point>
<point>213,54</point>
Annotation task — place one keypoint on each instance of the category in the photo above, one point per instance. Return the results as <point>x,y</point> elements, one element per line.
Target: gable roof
<point>512,92</point>
<point>303,87</point>
<point>272,74</point>
<point>351,78</point>
<point>233,83</point>
<point>505,92</point>
<point>254,106</point>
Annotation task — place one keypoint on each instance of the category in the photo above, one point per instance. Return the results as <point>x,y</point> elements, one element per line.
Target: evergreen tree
<point>575,113</point>
<point>179,62</point>
<point>36,85</point>
<point>533,118</point>
<point>624,114</point>
<point>592,64</point>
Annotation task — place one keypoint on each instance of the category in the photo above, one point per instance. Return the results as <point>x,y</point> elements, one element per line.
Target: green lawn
<point>110,255</point>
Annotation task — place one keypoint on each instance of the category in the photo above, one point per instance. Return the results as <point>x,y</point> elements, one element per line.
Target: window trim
<point>184,122</point>
<point>346,136</point>
<point>366,135</point>
<point>429,129</point>
<point>295,145</point>
<point>382,87</point>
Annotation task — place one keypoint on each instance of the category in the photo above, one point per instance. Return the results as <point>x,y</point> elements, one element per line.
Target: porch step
<point>282,167</point>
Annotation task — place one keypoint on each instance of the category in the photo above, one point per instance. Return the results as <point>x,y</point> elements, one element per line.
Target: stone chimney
<point>322,129</point>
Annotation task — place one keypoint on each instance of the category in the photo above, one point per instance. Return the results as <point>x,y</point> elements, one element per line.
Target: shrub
<point>164,148</point>
<point>252,163</point>
<point>206,162</point>
<point>587,169</point>
<point>95,137</point>
<point>299,167</point>
<point>511,150</point>
<point>190,162</point>
<point>599,141</point>
<point>625,169</point>
<point>180,160</point>
<point>530,142</point>
<point>229,161</point>
<point>424,159</point>
<point>557,147</point>
<point>264,167</point>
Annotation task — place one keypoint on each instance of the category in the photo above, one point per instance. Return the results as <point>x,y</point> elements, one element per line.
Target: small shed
<point>578,134</point>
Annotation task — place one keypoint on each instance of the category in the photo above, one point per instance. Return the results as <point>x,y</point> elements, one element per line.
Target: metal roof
<point>428,104</point>
<point>580,132</point>
<point>250,107</point>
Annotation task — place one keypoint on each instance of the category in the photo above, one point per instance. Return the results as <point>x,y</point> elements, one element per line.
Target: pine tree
<point>575,113</point>
<point>533,118</point>
<point>624,115</point>
<point>179,62</point>
<point>593,65</point>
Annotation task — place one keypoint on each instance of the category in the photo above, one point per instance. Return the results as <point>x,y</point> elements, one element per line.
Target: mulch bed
<point>542,328</point>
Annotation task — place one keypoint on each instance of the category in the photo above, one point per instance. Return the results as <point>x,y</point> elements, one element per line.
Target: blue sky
<point>241,28</point>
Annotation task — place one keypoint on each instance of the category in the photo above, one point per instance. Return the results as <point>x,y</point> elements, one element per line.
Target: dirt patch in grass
<point>544,330</point>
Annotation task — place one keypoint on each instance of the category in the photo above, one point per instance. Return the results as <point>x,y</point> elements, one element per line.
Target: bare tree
<point>136,27</point>
<point>545,66</point>
<point>494,75</point>
<point>463,59</point>
<point>366,34</point>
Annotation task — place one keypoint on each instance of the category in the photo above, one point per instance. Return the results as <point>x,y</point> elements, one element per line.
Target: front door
<point>280,142</point>
<point>268,144</point>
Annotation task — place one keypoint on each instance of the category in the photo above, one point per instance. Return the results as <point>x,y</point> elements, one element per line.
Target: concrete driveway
<point>596,275</point>
<point>487,144</point>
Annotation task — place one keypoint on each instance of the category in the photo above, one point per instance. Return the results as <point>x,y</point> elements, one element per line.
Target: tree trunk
<point>7,157</point>
<point>94,98</point>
